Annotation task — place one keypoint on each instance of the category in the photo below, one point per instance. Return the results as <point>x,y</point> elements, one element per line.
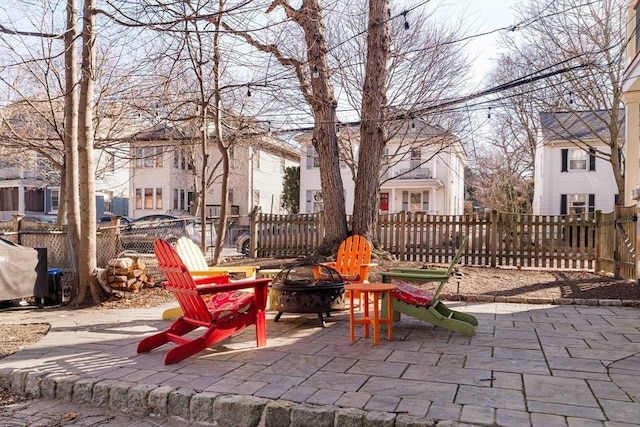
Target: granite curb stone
<point>539,300</point>
<point>206,408</point>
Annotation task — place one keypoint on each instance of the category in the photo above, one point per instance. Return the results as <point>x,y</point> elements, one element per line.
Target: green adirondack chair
<point>424,305</point>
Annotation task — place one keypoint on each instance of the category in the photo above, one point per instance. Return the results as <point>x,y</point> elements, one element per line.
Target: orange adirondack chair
<point>228,310</point>
<point>353,261</point>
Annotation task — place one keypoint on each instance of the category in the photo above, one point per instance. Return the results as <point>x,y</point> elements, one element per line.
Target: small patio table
<point>376,289</point>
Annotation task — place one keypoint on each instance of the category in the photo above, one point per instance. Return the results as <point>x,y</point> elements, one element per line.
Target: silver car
<point>139,234</point>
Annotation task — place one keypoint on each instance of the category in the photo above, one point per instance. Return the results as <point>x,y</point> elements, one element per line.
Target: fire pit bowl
<point>296,290</point>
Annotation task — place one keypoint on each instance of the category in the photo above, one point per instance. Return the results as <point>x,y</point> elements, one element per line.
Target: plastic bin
<point>55,291</point>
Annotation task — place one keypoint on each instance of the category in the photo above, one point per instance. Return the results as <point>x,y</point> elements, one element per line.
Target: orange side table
<point>376,289</point>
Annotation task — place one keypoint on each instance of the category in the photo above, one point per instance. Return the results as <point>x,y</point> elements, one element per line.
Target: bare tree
<point>586,36</point>
<point>373,129</point>
<point>87,261</point>
<point>314,78</point>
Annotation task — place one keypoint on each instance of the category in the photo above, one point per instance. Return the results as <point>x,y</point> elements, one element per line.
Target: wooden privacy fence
<point>593,241</point>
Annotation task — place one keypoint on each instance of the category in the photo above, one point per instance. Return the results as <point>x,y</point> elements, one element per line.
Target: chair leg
<point>178,327</point>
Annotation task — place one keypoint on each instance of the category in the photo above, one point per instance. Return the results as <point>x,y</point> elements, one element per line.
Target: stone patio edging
<point>206,408</point>
<point>540,300</point>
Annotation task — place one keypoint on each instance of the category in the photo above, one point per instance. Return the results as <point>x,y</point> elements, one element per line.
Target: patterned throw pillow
<point>410,294</point>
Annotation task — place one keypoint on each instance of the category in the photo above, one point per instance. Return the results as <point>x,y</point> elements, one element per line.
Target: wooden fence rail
<point>592,241</point>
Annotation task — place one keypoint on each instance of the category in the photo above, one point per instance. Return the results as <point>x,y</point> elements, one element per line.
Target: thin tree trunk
<point>87,260</point>
<point>69,203</point>
<point>222,229</point>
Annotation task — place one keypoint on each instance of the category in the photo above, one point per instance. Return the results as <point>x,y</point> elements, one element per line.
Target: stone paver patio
<point>538,365</point>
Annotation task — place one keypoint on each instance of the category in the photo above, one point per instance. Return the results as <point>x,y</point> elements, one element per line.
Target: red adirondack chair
<point>228,310</point>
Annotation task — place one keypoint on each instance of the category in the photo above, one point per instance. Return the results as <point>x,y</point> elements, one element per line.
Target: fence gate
<point>617,234</point>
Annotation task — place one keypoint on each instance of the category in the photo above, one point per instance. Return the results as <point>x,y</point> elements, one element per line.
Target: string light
<point>337,128</point>
<point>489,113</point>
<point>316,73</point>
<point>413,121</point>
<point>248,91</point>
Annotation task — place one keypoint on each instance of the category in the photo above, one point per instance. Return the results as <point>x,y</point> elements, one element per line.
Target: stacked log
<point>127,274</point>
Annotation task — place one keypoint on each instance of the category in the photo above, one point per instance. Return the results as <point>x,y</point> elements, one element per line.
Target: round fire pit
<point>307,293</point>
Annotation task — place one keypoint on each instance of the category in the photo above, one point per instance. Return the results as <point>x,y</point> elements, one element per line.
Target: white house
<point>630,82</point>
<point>569,177</point>
<point>423,171</point>
<point>163,179</point>
<point>30,179</point>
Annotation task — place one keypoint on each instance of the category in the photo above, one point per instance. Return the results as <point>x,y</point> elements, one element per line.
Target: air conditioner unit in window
<point>635,193</point>
<point>317,197</point>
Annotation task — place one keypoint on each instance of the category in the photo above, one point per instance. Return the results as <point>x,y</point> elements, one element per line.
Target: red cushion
<point>226,306</point>
<point>410,294</point>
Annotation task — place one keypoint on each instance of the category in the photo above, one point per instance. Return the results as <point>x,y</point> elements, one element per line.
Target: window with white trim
<point>148,157</point>
<point>313,159</point>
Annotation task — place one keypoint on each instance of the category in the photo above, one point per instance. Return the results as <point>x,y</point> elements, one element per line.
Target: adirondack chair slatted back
<point>353,252</point>
<point>181,284</point>
<point>191,255</point>
<point>452,266</point>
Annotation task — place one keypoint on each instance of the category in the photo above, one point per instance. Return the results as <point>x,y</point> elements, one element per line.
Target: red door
<point>384,202</point>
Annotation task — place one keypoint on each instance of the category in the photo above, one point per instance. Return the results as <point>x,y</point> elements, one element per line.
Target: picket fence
<point>592,241</point>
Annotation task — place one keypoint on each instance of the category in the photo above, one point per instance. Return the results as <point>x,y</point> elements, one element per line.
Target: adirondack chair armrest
<point>210,279</point>
<point>365,269</point>
<point>317,270</point>
<point>200,273</point>
<point>417,277</point>
<point>256,284</point>
<point>427,272</point>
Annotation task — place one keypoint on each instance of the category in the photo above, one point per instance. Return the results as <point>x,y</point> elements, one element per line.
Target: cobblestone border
<point>540,300</point>
<point>206,408</point>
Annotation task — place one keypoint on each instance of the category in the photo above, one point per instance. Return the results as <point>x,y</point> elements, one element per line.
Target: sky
<point>482,16</point>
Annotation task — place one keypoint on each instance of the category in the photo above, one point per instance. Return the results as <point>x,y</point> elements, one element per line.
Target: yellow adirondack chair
<point>196,263</point>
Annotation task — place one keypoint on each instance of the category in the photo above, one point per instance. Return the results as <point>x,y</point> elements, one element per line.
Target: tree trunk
<point>87,260</point>
<point>224,197</point>
<point>325,141</point>
<point>373,132</point>
<point>69,185</point>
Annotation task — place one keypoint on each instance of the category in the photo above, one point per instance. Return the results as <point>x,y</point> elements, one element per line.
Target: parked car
<point>106,220</point>
<point>140,233</point>
<point>285,236</point>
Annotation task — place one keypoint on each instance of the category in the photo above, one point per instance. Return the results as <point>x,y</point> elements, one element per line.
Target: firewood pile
<point>126,274</point>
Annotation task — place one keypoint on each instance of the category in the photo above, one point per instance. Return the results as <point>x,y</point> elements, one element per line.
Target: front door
<point>384,202</point>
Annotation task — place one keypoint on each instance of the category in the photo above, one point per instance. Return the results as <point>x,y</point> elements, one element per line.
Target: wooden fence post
<point>403,233</point>
<point>598,241</point>
<point>493,237</point>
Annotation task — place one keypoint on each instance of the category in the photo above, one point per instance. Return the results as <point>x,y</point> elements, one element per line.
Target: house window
<point>230,196</point>
<point>148,157</point>
<point>576,159</point>
<point>577,203</point>
<point>282,165</point>
<point>148,198</point>
<point>313,160</point>
<point>9,199</point>
<point>425,201</point>
<point>34,199</point>
<point>415,201</point>
<point>416,158</point>
<point>176,199</point>
<point>55,200</point>
<point>314,201</point>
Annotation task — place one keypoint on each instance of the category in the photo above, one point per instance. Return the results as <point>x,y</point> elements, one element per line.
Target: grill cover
<point>23,271</point>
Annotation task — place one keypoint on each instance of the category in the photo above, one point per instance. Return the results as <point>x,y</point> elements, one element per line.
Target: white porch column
<point>632,142</point>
